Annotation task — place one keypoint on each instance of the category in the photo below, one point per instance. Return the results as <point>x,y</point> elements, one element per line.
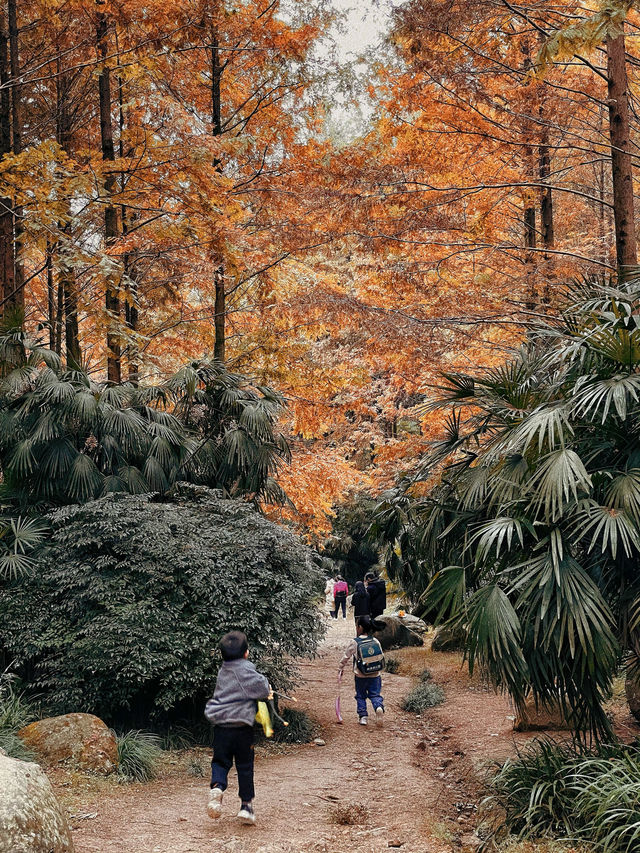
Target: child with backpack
<point>232,711</point>
<point>368,662</point>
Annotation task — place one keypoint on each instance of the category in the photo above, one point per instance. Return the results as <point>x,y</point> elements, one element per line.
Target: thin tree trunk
<point>131,315</point>
<point>220,307</point>
<point>7,270</point>
<point>112,296</point>
<point>67,283</point>
<point>529,210</point>
<point>546,212</point>
<point>621,165</point>
<point>16,132</point>
<point>51,298</point>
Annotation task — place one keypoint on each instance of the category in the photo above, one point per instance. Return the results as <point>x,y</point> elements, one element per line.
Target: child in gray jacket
<point>232,710</point>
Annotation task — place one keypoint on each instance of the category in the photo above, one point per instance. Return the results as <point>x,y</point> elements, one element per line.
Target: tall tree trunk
<point>16,132</point>
<point>67,282</point>
<point>220,306</point>
<point>529,209</point>
<point>112,295</point>
<point>7,270</point>
<point>546,213</point>
<point>621,165</point>
<point>131,315</point>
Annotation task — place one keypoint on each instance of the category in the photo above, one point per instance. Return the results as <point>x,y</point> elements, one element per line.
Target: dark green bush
<point>392,665</point>
<point>424,695</point>
<point>301,728</point>
<point>128,600</point>
<point>425,676</point>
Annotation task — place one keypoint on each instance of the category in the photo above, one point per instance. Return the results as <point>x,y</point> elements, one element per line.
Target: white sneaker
<point>247,815</point>
<point>379,716</point>
<point>363,721</point>
<point>214,808</point>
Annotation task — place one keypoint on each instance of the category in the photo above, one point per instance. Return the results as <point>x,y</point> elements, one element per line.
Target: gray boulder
<point>31,820</point>
<point>395,634</point>
<point>448,640</point>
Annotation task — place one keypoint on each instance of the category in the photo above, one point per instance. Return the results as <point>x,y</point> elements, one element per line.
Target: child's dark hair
<point>233,645</point>
<point>366,624</point>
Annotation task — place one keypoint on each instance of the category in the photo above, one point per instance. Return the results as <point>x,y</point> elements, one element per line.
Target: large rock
<point>541,718</point>
<point>396,634</point>
<point>80,739</point>
<point>30,818</point>
<point>632,691</point>
<point>413,623</point>
<point>448,640</point>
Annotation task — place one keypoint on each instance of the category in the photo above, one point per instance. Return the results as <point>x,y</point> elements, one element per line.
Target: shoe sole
<point>247,821</point>
<point>214,808</point>
<point>379,717</point>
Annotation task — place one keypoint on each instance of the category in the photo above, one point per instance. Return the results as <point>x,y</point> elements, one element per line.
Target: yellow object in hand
<point>264,718</point>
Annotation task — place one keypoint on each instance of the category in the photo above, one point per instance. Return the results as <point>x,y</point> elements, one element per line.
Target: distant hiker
<point>340,592</point>
<point>377,590</point>
<point>360,601</point>
<point>328,596</point>
<point>368,662</point>
<point>232,711</point>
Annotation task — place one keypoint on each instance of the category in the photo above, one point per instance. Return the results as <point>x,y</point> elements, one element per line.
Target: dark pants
<point>230,743</point>
<point>368,688</point>
<point>341,602</point>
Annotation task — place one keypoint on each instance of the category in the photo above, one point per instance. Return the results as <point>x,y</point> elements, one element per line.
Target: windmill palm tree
<point>530,539</point>
<point>66,439</point>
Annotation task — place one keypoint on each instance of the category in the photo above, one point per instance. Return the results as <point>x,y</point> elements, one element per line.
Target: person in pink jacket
<point>340,593</point>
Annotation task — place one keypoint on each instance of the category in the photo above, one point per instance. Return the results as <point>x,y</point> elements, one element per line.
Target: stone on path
<point>80,739</point>
<point>396,634</point>
<point>31,820</point>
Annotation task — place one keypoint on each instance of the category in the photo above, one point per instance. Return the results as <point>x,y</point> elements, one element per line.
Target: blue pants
<point>368,688</point>
<point>230,743</point>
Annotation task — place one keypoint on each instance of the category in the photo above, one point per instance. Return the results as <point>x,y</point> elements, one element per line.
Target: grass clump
<point>349,814</point>
<point>424,676</point>
<point>567,792</point>
<point>392,665</point>
<point>15,713</point>
<point>139,755</point>
<point>424,695</point>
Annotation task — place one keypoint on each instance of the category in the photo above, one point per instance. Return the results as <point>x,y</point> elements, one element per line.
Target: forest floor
<point>412,785</point>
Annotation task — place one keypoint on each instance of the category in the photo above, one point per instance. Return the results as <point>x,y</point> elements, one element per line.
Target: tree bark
<point>220,307</point>
<point>16,133</point>
<point>546,214</point>
<point>112,295</point>
<point>7,270</point>
<point>621,164</point>
<point>67,284</point>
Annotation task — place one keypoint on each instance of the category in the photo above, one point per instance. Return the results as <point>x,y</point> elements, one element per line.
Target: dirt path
<point>414,779</point>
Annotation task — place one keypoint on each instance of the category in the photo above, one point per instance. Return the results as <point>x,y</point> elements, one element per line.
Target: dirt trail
<point>414,777</point>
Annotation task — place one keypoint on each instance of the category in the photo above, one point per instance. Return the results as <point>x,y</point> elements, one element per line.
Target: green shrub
<point>392,665</point>
<point>570,793</point>
<point>139,755</point>
<point>185,737</point>
<point>423,696</point>
<point>130,597</point>
<point>301,728</point>
<point>425,676</point>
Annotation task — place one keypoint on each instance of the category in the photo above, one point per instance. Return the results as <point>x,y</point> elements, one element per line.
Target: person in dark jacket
<point>232,711</point>
<point>377,590</point>
<point>360,601</point>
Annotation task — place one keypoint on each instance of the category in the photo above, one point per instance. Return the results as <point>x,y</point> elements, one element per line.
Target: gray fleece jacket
<point>238,687</point>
